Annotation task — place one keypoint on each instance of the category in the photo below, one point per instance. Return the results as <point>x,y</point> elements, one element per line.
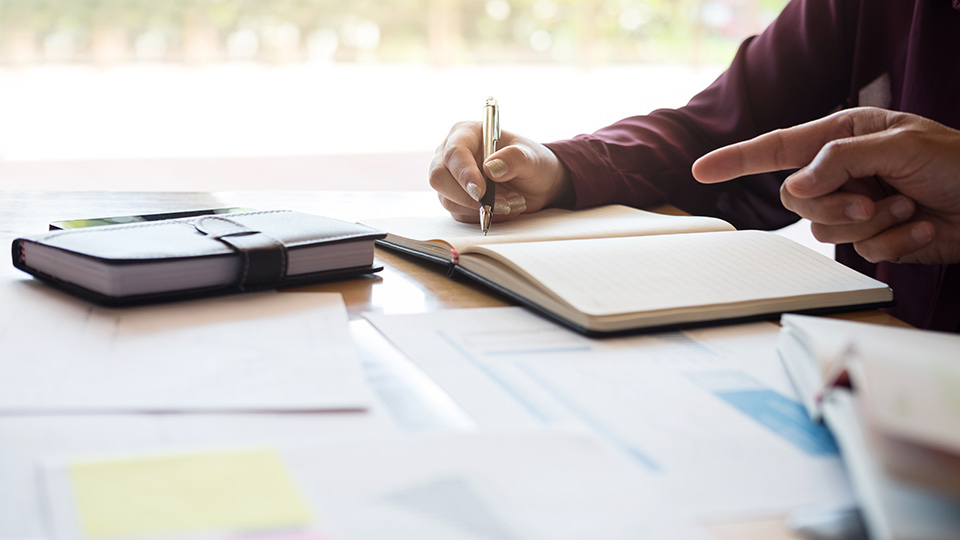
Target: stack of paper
<point>899,424</point>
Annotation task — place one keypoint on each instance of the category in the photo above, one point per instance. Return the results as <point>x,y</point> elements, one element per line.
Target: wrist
<point>563,194</point>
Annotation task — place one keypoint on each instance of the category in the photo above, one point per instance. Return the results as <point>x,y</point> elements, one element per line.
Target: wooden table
<point>406,285</point>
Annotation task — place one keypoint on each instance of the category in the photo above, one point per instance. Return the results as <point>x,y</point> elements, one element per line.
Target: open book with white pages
<point>615,269</point>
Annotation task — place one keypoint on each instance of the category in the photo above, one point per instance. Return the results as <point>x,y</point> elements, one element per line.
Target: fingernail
<point>922,233</point>
<point>501,208</point>
<point>497,168</point>
<point>473,191</point>
<point>516,202</point>
<point>901,208</point>
<point>855,211</point>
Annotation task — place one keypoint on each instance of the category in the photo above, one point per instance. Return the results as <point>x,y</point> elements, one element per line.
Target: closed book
<point>201,256</point>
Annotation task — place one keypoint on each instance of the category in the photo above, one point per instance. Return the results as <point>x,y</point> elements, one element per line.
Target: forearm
<point>789,74</point>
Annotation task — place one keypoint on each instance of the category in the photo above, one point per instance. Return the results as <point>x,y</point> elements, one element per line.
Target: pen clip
<point>496,125</point>
<point>491,123</point>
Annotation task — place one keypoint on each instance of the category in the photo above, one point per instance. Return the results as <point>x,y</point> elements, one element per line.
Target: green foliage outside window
<point>439,32</point>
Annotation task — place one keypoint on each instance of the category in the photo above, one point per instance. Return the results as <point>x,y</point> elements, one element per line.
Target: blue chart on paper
<point>782,416</point>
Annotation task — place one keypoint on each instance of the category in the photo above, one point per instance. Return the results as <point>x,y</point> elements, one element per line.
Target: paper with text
<point>711,412</point>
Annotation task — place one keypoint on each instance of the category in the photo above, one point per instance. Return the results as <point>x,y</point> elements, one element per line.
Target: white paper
<point>533,485</point>
<point>552,224</point>
<point>254,352</point>
<point>724,271</point>
<point>710,413</point>
<point>28,440</point>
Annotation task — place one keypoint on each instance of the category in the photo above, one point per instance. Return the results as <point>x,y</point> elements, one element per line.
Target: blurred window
<point>436,32</point>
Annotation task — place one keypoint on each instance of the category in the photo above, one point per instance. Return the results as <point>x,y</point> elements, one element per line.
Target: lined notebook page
<point>554,224</point>
<point>621,275</point>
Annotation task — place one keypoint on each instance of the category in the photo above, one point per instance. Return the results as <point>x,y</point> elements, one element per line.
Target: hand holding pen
<point>527,175</point>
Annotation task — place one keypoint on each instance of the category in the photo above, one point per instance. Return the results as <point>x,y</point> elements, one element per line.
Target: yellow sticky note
<point>213,492</point>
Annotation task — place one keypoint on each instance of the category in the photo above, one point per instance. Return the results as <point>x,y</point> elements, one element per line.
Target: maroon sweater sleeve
<point>797,70</point>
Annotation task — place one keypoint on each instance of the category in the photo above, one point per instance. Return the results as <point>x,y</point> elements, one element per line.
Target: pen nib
<point>486,215</point>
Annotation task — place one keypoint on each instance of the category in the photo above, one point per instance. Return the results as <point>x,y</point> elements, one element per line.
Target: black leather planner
<point>200,256</point>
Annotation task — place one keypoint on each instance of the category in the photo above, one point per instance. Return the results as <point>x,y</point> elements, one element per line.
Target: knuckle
<point>909,139</point>
<point>465,124</point>
<point>449,156</point>
<point>837,155</point>
<point>436,166</point>
<point>438,175</point>
<point>780,151</point>
<point>434,180</point>
<point>462,127</point>
<point>457,164</point>
<point>833,149</point>
<point>512,153</point>
<point>847,121</point>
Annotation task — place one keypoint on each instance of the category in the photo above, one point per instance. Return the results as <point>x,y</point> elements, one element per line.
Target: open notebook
<point>615,269</point>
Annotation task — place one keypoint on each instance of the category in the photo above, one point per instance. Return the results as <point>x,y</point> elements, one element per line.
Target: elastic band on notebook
<point>263,259</point>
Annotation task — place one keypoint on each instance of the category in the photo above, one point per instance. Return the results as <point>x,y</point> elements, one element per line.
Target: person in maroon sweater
<point>897,218</point>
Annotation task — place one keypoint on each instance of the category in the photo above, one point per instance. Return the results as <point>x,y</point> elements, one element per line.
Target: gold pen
<point>491,136</point>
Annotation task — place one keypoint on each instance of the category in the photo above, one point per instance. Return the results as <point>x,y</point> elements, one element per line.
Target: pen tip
<point>486,216</point>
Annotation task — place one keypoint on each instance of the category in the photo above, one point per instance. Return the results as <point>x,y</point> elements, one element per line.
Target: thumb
<point>510,162</point>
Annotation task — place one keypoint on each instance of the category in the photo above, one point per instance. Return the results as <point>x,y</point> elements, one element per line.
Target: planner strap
<point>263,259</point>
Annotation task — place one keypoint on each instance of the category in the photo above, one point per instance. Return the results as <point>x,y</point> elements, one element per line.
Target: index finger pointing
<point>788,148</point>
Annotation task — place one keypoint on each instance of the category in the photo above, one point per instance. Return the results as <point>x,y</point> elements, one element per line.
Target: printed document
<point>709,413</point>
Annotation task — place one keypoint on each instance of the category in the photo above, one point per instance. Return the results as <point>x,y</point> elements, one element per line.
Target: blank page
<point>622,275</point>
